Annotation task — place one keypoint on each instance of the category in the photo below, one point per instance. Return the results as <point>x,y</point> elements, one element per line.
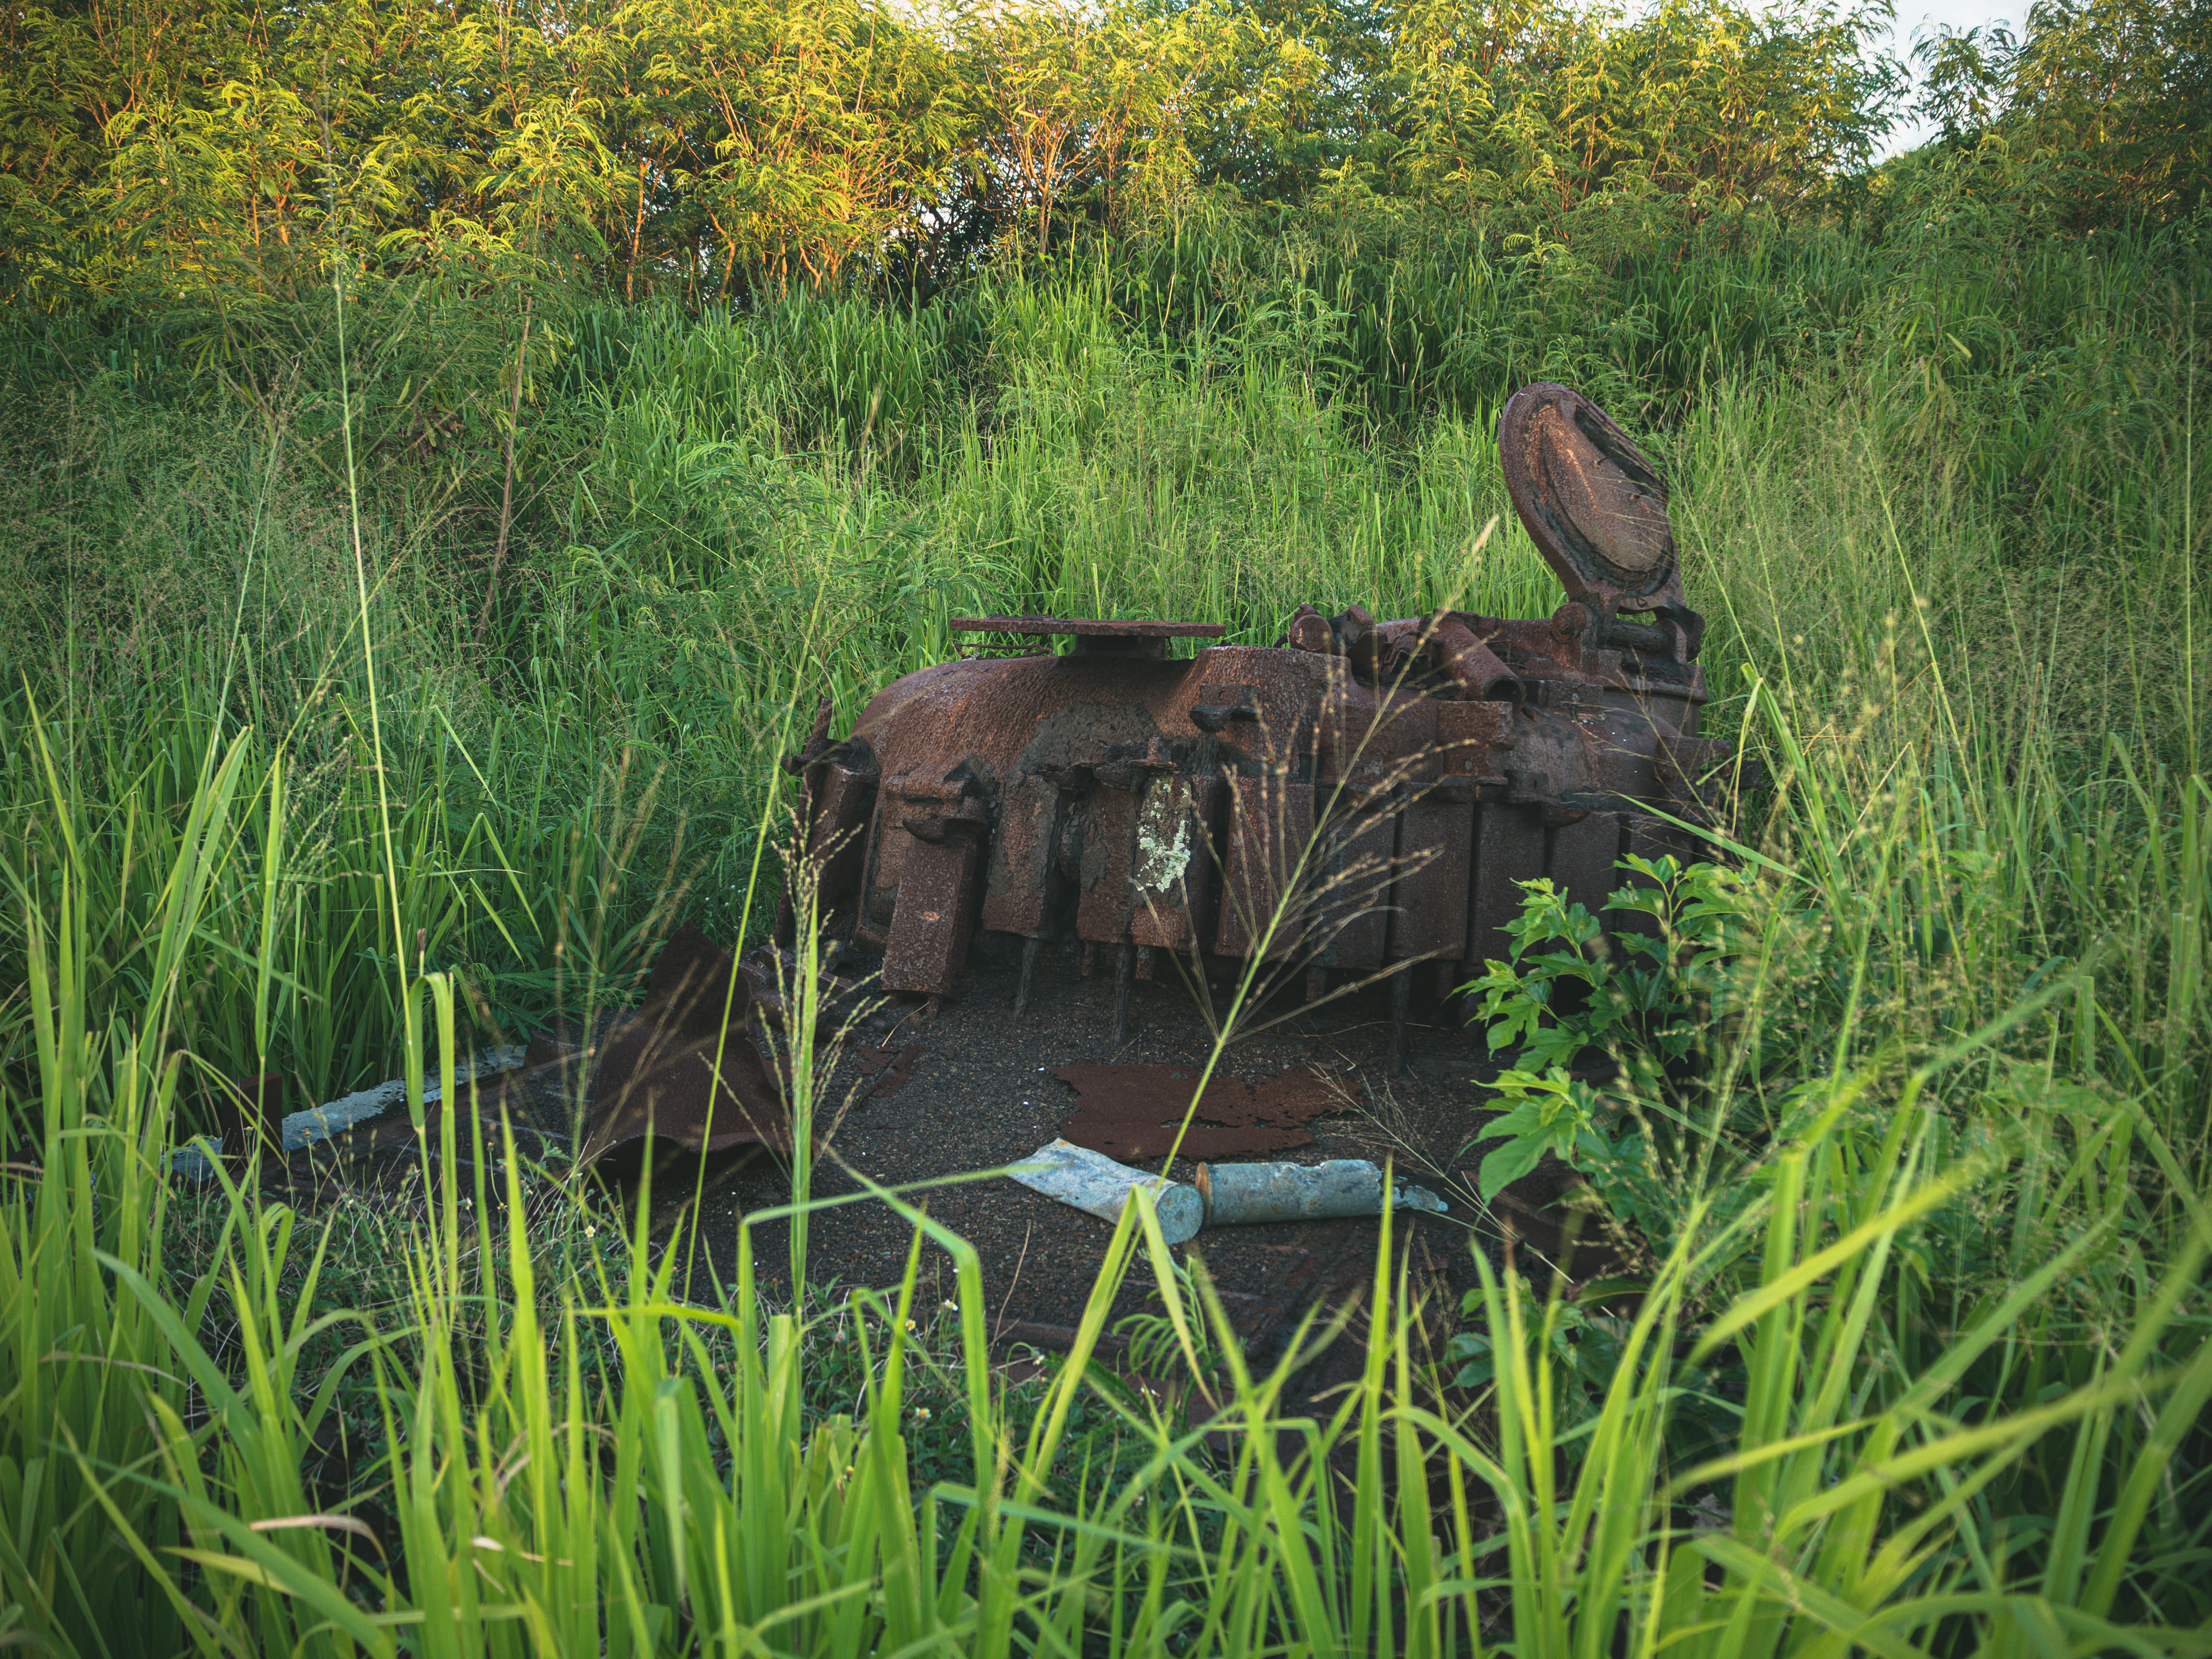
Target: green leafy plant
<point>1643,1003</point>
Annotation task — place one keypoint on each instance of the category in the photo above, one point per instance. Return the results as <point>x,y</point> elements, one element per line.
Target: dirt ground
<point>980,1095</point>
<point>931,1106</point>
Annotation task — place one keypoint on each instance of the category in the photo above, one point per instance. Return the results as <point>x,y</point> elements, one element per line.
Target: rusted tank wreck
<point>1359,800</point>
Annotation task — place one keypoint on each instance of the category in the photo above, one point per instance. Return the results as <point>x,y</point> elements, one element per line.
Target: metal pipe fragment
<point>1222,1195</point>
<point>1311,631</point>
<point>1245,1194</point>
<point>1029,974</point>
<point>1097,1185</point>
<point>1473,666</point>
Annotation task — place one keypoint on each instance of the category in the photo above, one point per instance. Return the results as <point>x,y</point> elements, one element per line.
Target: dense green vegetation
<point>442,452</point>
<point>222,154</point>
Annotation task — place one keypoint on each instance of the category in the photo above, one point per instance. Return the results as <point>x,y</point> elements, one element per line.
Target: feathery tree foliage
<point>214,151</point>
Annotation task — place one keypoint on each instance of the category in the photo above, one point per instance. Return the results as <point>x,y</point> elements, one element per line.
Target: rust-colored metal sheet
<point>684,1067</point>
<point>1173,878</point>
<point>1106,879</point>
<point>1024,883</point>
<point>1473,739</point>
<point>1358,876</point>
<point>930,931</point>
<point>1436,856</point>
<point>837,838</point>
<point>1133,1112</point>
<point>891,1069</point>
<point>1509,848</point>
<point>1583,855</point>
<point>1271,830</point>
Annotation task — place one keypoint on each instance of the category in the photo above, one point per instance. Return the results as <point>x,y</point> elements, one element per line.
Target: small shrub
<point>1651,1007</point>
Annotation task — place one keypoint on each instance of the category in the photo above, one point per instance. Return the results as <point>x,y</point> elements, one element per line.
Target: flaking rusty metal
<point>684,1068</point>
<point>1357,799</point>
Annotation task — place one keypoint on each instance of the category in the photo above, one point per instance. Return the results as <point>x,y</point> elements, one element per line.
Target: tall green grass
<point>1881,1493</point>
<point>1920,1366</point>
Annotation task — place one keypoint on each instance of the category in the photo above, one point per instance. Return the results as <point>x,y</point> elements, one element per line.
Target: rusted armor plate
<point>1509,848</point>
<point>1362,793</point>
<point>1436,855</point>
<point>1172,878</point>
<point>1582,859</point>
<point>1268,875</point>
<point>1088,628</point>
<point>1024,878</point>
<point>684,1068</point>
<point>1357,880</point>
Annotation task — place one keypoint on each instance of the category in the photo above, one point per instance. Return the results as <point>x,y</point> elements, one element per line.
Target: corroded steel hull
<point>1362,797</point>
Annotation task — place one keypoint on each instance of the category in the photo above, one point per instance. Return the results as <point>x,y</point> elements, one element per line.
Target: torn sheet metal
<point>1097,1185</point>
<point>684,1067</point>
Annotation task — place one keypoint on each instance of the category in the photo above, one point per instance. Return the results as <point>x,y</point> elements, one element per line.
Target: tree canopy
<point>699,147</point>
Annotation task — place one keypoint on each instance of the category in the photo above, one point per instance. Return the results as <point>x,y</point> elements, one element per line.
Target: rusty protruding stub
<point>1357,799</point>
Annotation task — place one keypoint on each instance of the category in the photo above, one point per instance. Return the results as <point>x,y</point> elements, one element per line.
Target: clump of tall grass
<point>1932,1320</point>
<point>1906,1476</point>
